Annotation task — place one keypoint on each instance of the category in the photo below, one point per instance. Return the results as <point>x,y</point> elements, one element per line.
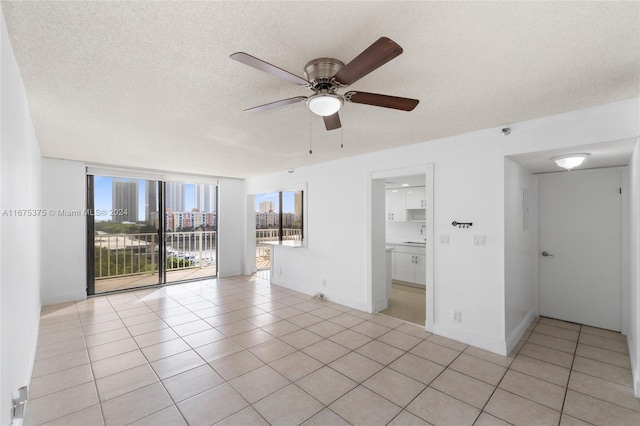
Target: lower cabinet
<point>410,265</point>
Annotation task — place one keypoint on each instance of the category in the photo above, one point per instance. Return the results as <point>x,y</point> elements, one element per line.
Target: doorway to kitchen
<point>402,244</point>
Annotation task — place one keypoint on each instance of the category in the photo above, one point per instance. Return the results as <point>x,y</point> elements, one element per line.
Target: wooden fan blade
<point>332,122</point>
<point>385,101</point>
<point>252,61</point>
<point>373,57</point>
<point>276,104</point>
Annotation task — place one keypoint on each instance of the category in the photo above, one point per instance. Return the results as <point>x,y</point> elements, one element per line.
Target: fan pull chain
<point>341,137</point>
<point>310,150</point>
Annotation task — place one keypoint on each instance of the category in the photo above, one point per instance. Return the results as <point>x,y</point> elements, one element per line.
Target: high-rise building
<point>174,197</point>
<point>150,201</point>
<point>124,200</point>
<point>205,197</point>
<point>266,206</point>
<point>297,205</point>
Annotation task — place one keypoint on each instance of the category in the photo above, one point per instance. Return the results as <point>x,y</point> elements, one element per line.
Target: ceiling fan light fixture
<point>569,161</point>
<point>324,104</point>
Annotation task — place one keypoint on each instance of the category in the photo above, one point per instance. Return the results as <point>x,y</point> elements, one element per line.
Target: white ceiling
<point>151,85</point>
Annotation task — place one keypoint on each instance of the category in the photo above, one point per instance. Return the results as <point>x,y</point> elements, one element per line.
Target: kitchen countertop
<point>405,243</point>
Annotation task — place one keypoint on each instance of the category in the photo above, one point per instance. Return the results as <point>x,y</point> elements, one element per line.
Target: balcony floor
<point>133,281</point>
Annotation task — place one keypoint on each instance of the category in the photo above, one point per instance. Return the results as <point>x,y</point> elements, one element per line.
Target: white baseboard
<point>517,334</point>
<point>63,298</point>
<point>311,291</point>
<point>470,338</point>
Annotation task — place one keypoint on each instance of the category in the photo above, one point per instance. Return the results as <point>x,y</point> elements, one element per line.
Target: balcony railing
<point>119,255</point>
<point>263,251</point>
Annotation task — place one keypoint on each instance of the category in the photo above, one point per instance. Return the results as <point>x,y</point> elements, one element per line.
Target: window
<point>279,216</point>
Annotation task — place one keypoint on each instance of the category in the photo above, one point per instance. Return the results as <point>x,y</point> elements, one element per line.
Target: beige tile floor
<point>407,303</point>
<point>241,351</point>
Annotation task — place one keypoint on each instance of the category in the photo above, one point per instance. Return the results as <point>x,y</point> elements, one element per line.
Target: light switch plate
<point>478,240</point>
<point>444,239</point>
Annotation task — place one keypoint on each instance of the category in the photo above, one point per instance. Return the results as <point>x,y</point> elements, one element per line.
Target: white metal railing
<point>118,255</point>
<point>263,251</point>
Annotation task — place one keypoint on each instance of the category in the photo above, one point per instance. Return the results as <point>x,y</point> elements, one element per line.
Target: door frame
<point>378,269</point>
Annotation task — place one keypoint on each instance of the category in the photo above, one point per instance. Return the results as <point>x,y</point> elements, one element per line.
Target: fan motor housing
<point>319,73</point>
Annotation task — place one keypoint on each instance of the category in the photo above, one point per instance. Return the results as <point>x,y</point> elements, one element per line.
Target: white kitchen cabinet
<point>405,267</point>
<point>396,205</point>
<point>410,264</point>
<point>416,197</point>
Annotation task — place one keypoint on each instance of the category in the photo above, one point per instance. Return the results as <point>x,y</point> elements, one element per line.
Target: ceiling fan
<point>325,76</point>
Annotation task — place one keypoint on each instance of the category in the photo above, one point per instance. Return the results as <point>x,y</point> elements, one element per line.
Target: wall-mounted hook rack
<point>462,224</point>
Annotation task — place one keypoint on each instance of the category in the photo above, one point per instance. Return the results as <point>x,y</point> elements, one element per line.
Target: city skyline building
<point>174,197</point>
<point>205,197</point>
<point>266,206</point>
<point>124,200</point>
<point>150,200</point>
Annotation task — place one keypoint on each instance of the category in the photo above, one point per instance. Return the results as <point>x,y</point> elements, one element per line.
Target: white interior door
<point>580,253</point>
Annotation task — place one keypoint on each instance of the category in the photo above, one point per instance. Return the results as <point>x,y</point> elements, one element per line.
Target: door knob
<point>545,254</point>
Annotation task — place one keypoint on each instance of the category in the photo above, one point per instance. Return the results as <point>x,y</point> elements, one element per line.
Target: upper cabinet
<point>405,204</point>
<point>416,197</point>
<point>396,205</point>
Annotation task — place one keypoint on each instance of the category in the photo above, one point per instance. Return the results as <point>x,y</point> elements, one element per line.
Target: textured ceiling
<point>151,85</point>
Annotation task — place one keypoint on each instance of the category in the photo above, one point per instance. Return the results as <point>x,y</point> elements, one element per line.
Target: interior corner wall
<point>64,237</point>
<point>231,227</point>
<point>633,330</point>
<point>521,250</point>
<point>19,232</point>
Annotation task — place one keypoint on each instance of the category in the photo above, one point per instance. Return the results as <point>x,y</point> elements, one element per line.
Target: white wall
<point>64,238</point>
<point>19,236</point>
<point>633,330</point>
<point>231,227</point>
<point>521,251</point>
<point>469,186</point>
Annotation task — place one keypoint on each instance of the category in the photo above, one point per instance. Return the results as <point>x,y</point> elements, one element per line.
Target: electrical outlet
<point>457,316</point>
<point>279,271</point>
<point>444,239</point>
<point>478,240</point>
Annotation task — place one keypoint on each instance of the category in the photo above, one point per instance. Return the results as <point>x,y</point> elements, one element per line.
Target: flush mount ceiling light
<point>324,104</point>
<point>569,161</point>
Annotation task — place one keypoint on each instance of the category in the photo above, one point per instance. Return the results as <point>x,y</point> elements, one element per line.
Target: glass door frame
<point>161,234</point>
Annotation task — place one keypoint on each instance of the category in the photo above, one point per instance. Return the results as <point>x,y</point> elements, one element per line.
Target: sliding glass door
<point>190,231</point>
<point>147,232</point>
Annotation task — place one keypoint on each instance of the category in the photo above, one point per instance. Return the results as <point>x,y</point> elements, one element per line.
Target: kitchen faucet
<point>423,228</point>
